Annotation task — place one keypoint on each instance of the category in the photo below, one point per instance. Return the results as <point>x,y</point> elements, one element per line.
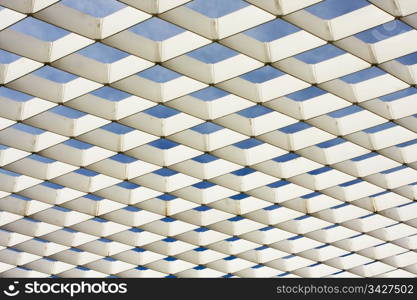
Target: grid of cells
<point>208,138</point>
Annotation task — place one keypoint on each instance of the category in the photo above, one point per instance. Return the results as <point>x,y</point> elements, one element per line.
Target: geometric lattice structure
<point>208,138</point>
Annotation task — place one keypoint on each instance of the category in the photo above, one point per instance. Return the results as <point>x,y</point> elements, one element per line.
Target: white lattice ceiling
<point>208,138</point>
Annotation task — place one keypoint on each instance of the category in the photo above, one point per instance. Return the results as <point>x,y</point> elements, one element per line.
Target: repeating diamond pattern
<point>208,138</point>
